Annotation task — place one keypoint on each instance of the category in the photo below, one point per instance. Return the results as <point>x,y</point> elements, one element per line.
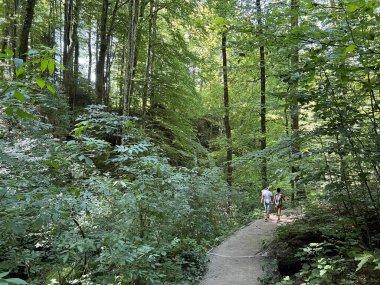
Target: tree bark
<point>263,140</point>
<point>70,39</point>
<point>24,37</point>
<point>294,106</point>
<point>89,71</point>
<point>105,37</point>
<point>13,36</point>
<point>122,69</point>
<point>132,31</point>
<point>6,30</point>
<point>109,61</point>
<point>99,84</point>
<point>227,125</point>
<point>147,93</point>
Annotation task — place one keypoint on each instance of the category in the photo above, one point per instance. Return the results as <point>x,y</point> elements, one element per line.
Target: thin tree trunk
<point>147,93</point>
<point>105,37</point>
<point>109,61</point>
<point>142,6</point>
<point>51,29</point>
<point>61,41</point>
<point>27,25</point>
<point>263,140</point>
<point>99,84</point>
<point>294,107</point>
<point>89,71</point>
<point>122,74</point>
<point>5,33</point>
<point>132,30</point>
<point>76,67</point>
<point>227,125</point>
<point>13,37</point>
<point>70,43</point>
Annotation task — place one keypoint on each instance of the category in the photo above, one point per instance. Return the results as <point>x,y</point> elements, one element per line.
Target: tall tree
<point>89,47</point>
<point>134,12</point>
<point>293,104</point>
<point>263,140</point>
<point>70,47</point>
<point>24,36</point>
<point>227,124</point>
<point>105,34</point>
<point>148,83</point>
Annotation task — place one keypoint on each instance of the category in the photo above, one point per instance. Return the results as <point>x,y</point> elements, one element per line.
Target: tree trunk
<point>76,69</point>
<point>61,41</point>
<point>89,71</point>
<point>70,39</point>
<point>147,92</point>
<point>5,33</point>
<point>24,37</point>
<point>99,84</point>
<point>110,57</point>
<point>294,107</point>
<point>132,30</point>
<point>51,29</point>
<point>227,125</point>
<point>13,36</point>
<point>105,37</point>
<point>122,69</point>
<point>263,140</point>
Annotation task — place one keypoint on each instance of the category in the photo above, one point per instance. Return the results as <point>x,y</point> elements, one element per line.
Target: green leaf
<point>44,65</point>
<point>24,115</point>
<point>60,66</point>
<point>2,274</point>
<point>363,260</point>
<point>50,88</point>
<point>19,96</point>
<point>52,163</point>
<point>41,83</point>
<point>9,111</point>
<point>80,248</point>
<point>220,21</point>
<point>322,272</point>
<point>65,257</point>
<point>51,66</point>
<point>352,7</point>
<point>350,48</point>
<point>20,71</point>
<point>9,52</point>
<point>15,281</point>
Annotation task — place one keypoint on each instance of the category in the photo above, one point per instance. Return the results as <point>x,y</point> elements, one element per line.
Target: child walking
<point>278,199</point>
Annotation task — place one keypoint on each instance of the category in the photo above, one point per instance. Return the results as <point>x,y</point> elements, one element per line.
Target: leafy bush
<point>105,207</point>
<point>327,250</point>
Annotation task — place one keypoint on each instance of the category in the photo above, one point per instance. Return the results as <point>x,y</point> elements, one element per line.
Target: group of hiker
<point>267,199</point>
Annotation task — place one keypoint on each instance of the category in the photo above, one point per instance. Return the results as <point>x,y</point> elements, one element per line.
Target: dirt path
<point>239,260</point>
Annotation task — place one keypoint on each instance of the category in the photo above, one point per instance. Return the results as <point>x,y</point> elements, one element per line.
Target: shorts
<point>267,205</point>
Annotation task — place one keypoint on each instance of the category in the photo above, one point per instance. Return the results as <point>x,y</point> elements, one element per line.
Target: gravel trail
<point>240,260</point>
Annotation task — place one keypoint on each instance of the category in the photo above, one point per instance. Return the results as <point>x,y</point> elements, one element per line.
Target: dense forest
<point>136,134</point>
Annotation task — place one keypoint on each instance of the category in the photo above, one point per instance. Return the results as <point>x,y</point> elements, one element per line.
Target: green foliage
<point>367,259</point>
<point>89,210</point>
<point>327,250</point>
<point>10,281</point>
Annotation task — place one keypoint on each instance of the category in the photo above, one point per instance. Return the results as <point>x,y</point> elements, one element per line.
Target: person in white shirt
<point>267,199</point>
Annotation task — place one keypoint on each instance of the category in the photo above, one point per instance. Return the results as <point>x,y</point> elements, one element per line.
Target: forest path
<point>240,259</point>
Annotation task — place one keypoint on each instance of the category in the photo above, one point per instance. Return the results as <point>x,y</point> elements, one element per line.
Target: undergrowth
<point>324,248</point>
